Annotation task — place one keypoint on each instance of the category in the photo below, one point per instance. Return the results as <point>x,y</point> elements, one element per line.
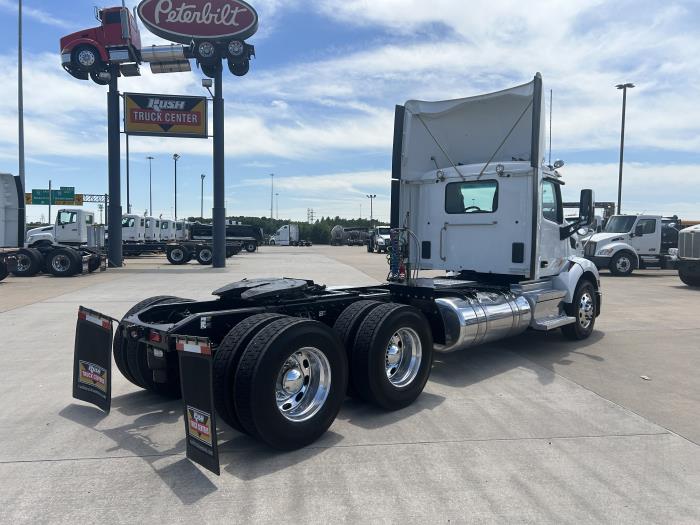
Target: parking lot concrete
<point>535,429</point>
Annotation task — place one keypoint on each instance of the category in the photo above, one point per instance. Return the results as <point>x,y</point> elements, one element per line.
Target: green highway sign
<point>64,196</point>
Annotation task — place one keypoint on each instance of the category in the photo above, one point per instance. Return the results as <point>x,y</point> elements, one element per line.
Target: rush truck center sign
<point>165,115</point>
<point>186,20</point>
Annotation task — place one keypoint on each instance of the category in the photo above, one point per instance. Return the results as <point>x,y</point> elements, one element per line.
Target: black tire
<point>3,271</point>
<point>622,264</point>
<point>94,263</point>
<point>583,308</point>
<point>78,65</point>
<point>368,365</point>
<point>178,255</point>
<point>226,362</point>
<point>134,360</point>
<point>688,278</point>
<point>255,384</point>
<point>63,262</point>
<point>251,247</point>
<point>346,327</point>
<point>205,256</point>
<point>94,76</point>
<point>28,263</point>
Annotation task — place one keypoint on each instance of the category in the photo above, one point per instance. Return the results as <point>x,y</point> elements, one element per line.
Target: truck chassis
<point>283,353</point>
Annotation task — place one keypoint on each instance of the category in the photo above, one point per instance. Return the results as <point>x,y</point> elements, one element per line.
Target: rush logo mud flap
<point>92,359</point>
<point>198,401</point>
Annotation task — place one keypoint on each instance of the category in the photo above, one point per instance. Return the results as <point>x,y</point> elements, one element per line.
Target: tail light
<point>155,337</point>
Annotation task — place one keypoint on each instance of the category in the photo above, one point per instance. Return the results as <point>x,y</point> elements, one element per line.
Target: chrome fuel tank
<point>481,318</point>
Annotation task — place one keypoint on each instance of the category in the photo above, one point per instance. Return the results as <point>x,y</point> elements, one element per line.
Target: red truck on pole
<point>116,40</point>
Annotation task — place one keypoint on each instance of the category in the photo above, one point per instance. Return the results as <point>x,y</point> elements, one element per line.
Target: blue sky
<point>317,107</point>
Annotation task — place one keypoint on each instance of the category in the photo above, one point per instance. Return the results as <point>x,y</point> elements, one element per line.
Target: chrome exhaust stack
<point>482,318</point>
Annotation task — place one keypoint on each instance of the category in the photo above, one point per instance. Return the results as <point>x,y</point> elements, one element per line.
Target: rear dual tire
<point>178,255</point>
<point>29,262</point>
<point>290,382</point>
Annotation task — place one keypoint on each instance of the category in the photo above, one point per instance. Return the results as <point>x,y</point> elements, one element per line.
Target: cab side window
<point>551,202</point>
<point>67,217</point>
<point>648,225</point>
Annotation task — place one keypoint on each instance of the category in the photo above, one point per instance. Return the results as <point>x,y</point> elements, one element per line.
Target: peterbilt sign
<point>165,115</point>
<point>186,20</point>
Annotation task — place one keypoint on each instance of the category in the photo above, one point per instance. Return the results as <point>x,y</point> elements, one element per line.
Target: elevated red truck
<point>116,40</point>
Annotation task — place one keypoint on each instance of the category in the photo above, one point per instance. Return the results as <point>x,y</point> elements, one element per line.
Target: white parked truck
<point>274,358</point>
<point>287,235</point>
<point>73,245</point>
<point>133,228</point>
<point>689,255</point>
<point>629,242</point>
<point>379,239</point>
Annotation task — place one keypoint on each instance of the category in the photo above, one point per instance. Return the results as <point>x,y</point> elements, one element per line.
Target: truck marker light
<point>194,347</point>
<point>155,337</point>
<point>99,321</point>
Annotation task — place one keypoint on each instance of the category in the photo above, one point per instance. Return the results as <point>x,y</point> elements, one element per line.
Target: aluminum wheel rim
<point>177,255</point>
<point>86,58</point>
<point>403,357</point>
<point>623,264</point>
<point>60,263</point>
<point>23,263</point>
<point>585,310</point>
<point>205,255</point>
<point>303,384</point>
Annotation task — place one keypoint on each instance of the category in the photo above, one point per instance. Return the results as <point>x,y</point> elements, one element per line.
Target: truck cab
<point>379,239</point>
<point>71,229</point>
<point>182,231</point>
<point>167,230</point>
<point>116,40</point>
<point>152,233</point>
<point>634,241</point>
<point>287,235</point>
<point>133,228</point>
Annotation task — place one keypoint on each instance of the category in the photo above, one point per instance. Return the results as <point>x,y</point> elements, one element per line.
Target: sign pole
<point>114,210</point>
<point>219,209</point>
<point>50,196</point>
<point>128,196</point>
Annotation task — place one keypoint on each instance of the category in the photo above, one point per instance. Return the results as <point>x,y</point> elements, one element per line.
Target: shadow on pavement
<point>258,460</point>
<point>542,350</point>
<point>185,480</point>
<point>369,417</point>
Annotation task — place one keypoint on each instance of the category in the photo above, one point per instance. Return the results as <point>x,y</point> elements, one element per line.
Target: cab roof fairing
<point>470,130</point>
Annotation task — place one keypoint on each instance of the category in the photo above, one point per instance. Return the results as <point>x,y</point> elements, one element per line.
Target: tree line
<point>318,232</point>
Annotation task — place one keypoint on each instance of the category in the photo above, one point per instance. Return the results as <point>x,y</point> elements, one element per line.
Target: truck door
<point>553,251</point>
<point>649,242</point>
<point>67,230</point>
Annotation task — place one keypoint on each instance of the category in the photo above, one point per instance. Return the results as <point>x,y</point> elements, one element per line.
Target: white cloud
<point>35,14</point>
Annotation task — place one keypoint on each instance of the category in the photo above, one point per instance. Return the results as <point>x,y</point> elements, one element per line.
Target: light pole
<point>20,115</point>
<point>272,192</point>
<point>100,207</point>
<point>277,196</point>
<point>202,206</point>
<point>624,88</point>
<point>150,184</point>
<point>176,157</point>
<point>371,208</point>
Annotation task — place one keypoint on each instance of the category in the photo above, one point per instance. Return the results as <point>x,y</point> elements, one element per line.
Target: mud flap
<point>92,358</point>
<point>198,401</point>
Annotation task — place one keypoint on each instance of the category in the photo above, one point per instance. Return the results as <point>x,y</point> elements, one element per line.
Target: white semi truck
<point>71,246</point>
<point>629,242</point>
<point>275,358</point>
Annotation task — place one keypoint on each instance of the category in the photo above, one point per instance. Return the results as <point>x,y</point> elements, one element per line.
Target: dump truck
<point>275,358</point>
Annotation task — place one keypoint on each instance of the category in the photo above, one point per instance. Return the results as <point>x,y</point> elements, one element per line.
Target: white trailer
<point>274,357</point>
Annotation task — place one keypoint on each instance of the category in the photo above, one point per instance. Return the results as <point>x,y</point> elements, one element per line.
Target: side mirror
<point>639,230</point>
<point>586,208</point>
